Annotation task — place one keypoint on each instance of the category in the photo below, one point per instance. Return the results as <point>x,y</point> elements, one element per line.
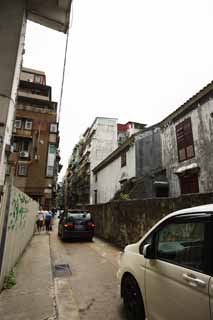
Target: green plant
<point>124,196</point>
<point>10,280</point>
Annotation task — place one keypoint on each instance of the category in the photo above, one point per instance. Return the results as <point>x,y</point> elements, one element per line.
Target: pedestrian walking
<point>40,220</point>
<point>48,217</point>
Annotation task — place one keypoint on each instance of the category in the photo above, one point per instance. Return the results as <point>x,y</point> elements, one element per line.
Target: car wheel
<point>132,298</point>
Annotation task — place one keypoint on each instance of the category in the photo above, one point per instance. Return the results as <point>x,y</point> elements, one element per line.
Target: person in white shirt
<point>40,220</point>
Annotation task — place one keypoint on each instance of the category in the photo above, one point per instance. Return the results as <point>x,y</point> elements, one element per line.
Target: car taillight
<point>91,225</point>
<point>68,225</point>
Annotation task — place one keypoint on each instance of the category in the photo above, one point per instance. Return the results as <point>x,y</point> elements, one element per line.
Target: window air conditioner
<point>24,154</point>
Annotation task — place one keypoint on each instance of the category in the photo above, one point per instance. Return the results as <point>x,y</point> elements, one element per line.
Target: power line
<point>65,61</point>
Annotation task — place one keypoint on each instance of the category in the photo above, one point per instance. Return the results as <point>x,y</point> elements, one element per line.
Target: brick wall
<point>124,222</point>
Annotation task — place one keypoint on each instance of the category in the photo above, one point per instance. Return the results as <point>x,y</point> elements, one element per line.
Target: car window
<point>72,216</point>
<point>183,244</point>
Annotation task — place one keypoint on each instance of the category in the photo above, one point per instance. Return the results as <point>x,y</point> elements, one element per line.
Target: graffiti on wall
<point>18,211</point>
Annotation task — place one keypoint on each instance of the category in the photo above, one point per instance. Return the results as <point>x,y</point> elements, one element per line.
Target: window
<point>123,159</point>
<point>22,170</point>
<point>39,79</point>
<point>73,216</point>
<point>51,160</point>
<point>28,125</point>
<point>53,127</point>
<point>96,196</point>
<point>24,146</point>
<point>189,183</point>
<point>15,146</point>
<point>182,244</point>
<point>18,123</point>
<point>50,171</point>
<point>185,143</point>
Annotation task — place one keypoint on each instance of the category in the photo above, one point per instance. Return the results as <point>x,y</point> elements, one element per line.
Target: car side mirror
<point>148,251</point>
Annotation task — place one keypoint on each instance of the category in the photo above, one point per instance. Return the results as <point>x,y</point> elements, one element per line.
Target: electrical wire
<point>65,61</point>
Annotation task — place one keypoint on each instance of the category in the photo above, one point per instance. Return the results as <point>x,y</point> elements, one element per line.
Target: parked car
<point>76,224</point>
<point>167,275</point>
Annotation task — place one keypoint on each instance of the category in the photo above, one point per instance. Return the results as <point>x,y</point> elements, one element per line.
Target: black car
<point>76,224</point>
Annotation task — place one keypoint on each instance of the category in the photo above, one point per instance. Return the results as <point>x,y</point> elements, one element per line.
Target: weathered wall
<point>148,160</point>
<point>202,124</point>
<point>148,154</point>
<point>20,226</point>
<point>108,179</point>
<point>122,222</point>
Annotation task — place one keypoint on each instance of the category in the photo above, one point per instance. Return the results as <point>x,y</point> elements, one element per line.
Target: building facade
<point>96,144</point>
<point>35,156</point>
<point>187,145</point>
<point>13,17</point>
<point>134,169</point>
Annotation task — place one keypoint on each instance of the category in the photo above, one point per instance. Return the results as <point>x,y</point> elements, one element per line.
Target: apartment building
<point>13,16</point>
<point>96,144</point>
<point>35,156</point>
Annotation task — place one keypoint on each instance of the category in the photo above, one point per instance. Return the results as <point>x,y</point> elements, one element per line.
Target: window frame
<point>189,181</point>
<point>206,218</point>
<point>28,121</point>
<point>23,144</point>
<point>18,172</point>
<point>184,140</point>
<point>19,121</point>
<point>48,163</point>
<point>123,159</point>
<point>53,124</point>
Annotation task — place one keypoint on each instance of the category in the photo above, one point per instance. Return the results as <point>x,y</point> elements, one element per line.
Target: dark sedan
<point>76,224</point>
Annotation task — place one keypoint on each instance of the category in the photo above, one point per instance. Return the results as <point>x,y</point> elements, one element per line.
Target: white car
<point>167,275</point>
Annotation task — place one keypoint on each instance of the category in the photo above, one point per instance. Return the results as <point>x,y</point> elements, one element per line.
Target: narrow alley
<point>92,276</point>
<point>59,280</point>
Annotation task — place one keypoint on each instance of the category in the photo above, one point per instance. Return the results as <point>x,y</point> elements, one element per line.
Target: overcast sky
<point>132,60</point>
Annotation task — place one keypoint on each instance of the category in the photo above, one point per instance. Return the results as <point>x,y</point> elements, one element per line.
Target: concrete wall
<point>20,211</point>
<point>108,179</point>
<point>202,128</point>
<point>124,222</point>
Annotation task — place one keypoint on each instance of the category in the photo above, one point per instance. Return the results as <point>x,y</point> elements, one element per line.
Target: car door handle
<point>193,281</point>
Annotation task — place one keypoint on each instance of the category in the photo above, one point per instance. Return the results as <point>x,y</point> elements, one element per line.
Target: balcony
<point>22,133</point>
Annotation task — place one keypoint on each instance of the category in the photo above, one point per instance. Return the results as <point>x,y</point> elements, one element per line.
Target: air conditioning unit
<point>24,154</point>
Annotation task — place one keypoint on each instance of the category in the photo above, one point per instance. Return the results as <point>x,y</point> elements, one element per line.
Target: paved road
<point>93,282</point>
